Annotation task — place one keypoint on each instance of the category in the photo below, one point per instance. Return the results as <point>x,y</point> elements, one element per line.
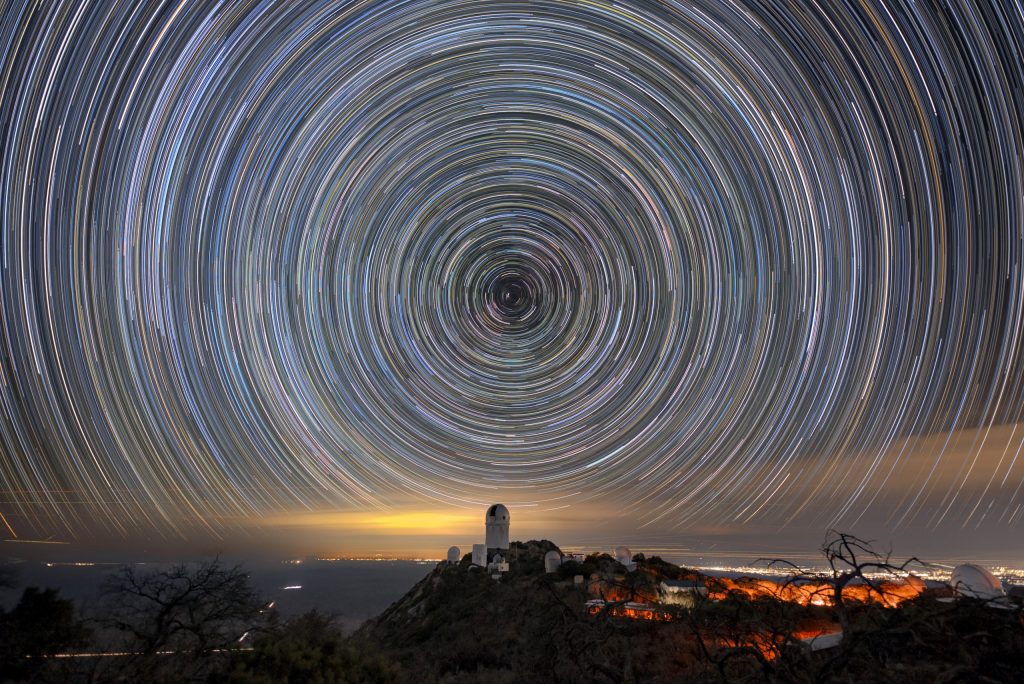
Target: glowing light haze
<point>679,267</point>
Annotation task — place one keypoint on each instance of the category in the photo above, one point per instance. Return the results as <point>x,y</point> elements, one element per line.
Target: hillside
<point>460,625</point>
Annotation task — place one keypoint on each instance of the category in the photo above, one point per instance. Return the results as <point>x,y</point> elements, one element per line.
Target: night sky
<point>353,270</point>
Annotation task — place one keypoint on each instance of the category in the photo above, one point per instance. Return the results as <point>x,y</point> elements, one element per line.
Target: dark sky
<point>287,274</point>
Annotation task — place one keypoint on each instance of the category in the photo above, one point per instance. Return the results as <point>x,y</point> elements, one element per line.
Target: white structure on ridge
<point>496,522</point>
<point>480,555</point>
<point>974,581</point>
<point>681,592</point>
<point>552,559</point>
<point>493,553</point>
<point>625,556</point>
<point>454,554</point>
<point>497,565</point>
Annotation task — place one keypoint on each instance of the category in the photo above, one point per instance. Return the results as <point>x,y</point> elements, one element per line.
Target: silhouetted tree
<point>850,560</point>
<point>41,624</point>
<point>191,610</point>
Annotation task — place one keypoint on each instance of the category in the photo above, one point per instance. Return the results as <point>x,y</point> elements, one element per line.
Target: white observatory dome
<point>975,581</point>
<point>552,559</point>
<point>496,524</point>
<point>497,513</point>
<point>623,555</point>
<point>454,554</point>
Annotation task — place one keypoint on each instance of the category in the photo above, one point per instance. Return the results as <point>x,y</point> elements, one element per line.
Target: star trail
<point>711,261</point>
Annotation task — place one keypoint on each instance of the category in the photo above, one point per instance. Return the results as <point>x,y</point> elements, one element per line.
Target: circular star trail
<point>722,261</point>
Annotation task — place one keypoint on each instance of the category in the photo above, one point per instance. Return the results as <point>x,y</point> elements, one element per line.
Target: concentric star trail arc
<point>720,260</point>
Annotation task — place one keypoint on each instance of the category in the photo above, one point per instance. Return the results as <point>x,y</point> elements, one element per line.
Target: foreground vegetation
<point>204,622</point>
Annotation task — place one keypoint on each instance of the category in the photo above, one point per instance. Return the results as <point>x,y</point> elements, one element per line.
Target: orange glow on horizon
<point>395,522</point>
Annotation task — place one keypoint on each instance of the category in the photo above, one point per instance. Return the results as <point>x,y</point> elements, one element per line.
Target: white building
<point>552,559</point>
<point>480,555</point>
<point>497,565</point>
<point>496,524</point>
<point>624,556</point>
<point>493,553</point>
<point>681,592</point>
<point>974,581</point>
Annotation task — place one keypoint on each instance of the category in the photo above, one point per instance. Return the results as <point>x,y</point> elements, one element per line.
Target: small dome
<point>454,554</point>
<point>552,559</point>
<point>623,555</point>
<point>975,581</point>
<point>497,513</point>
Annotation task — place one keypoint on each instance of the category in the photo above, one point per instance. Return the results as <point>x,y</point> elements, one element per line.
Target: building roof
<point>497,513</point>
